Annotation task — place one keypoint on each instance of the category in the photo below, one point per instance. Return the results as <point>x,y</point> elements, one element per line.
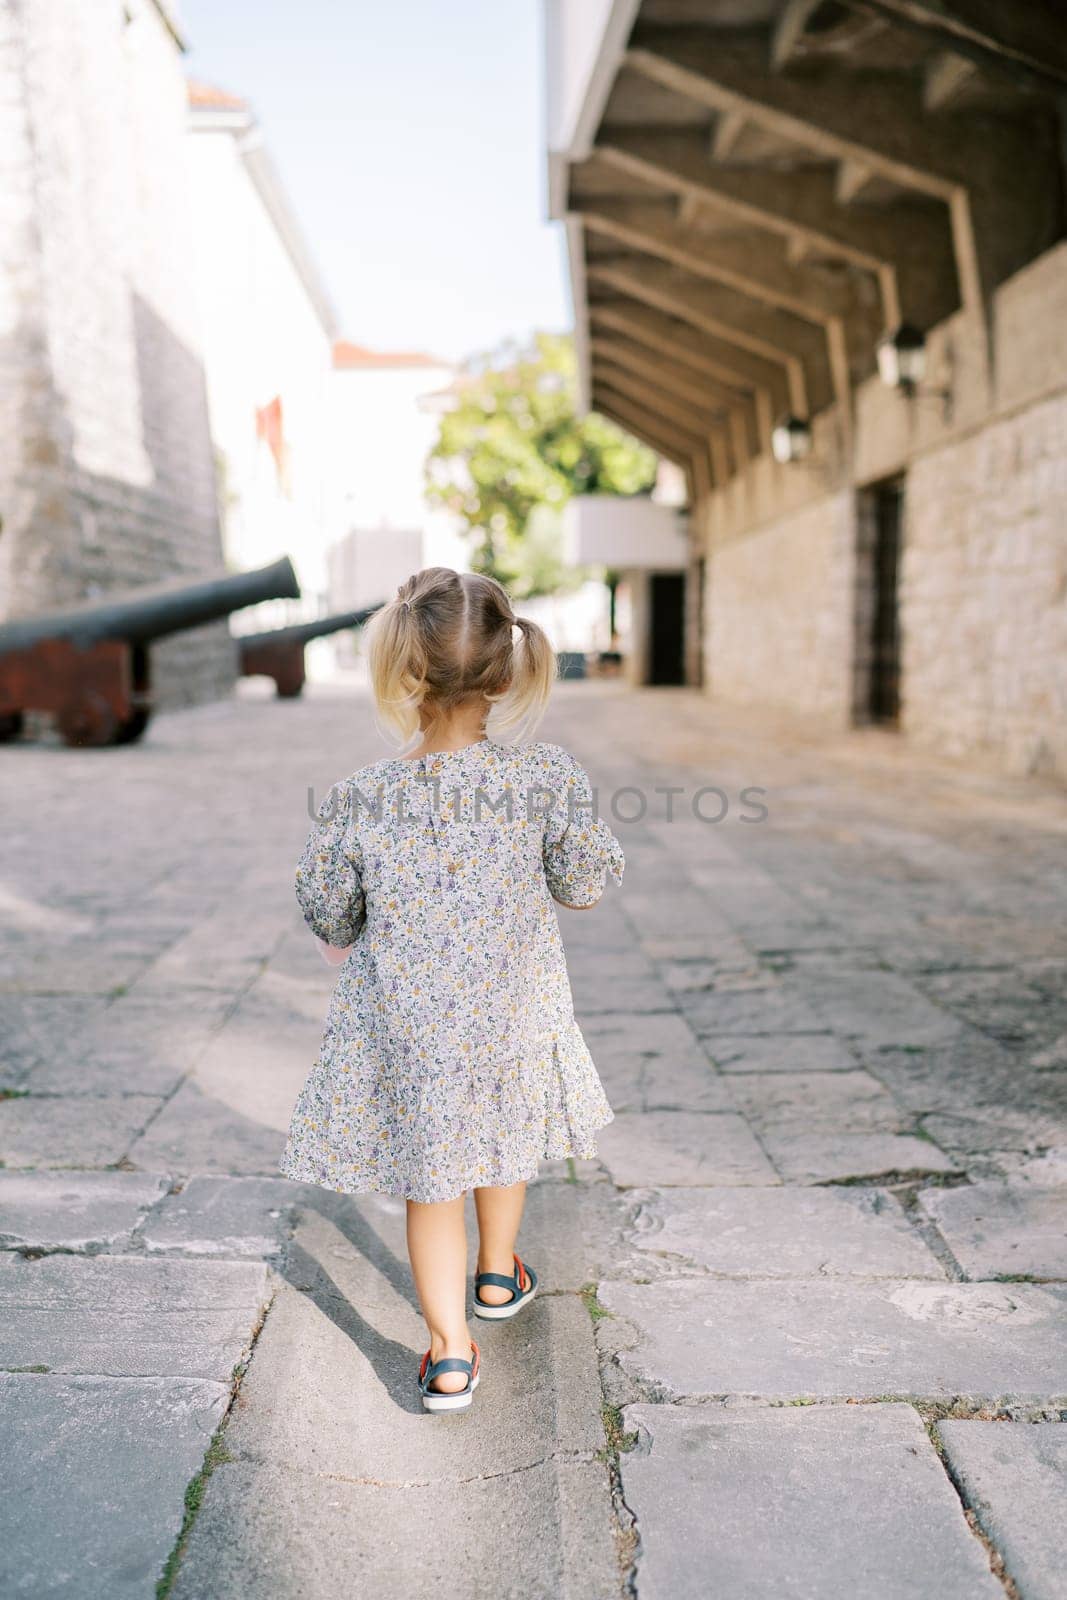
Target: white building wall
<point>380,438</point>
<point>264,338</point>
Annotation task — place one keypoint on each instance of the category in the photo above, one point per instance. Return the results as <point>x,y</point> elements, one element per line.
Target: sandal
<point>523,1286</point>
<point>443,1399</point>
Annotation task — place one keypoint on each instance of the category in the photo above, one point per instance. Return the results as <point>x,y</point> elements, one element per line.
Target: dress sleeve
<point>329,885</point>
<point>579,849</point>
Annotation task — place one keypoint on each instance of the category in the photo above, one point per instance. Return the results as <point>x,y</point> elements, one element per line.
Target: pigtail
<point>533,672</point>
<point>397,658</point>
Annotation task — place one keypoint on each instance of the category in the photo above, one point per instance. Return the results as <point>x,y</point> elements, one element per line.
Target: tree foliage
<point>512,444</point>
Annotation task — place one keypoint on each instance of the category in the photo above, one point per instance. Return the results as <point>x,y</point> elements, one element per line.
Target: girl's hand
<point>331,954</point>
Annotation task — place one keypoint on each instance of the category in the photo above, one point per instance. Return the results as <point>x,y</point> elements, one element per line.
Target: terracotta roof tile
<point>347,355</point>
<point>207,96</point>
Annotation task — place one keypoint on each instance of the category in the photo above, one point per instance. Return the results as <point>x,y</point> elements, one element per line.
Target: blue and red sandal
<point>523,1286</point>
<point>443,1399</point>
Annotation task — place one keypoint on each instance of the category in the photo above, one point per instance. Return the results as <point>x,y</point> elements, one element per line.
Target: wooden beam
<point>720,459</point>
<point>735,369</point>
<point>606,407</point>
<point>723,407</point>
<point>694,439</point>
<point>678,447</point>
<point>758,274</point>
<point>739,441</point>
<point>945,78</point>
<point>853,179</point>
<point>658,399</point>
<point>994,186</point>
<point>702,392</point>
<point>909,251</point>
<point>1022,38</point>
<point>724,318</point>
<point>789,30</point>
<point>881,128</point>
<point>746,265</point>
<point>725,134</point>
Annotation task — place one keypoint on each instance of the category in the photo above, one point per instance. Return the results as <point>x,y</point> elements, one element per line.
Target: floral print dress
<point>451,1058</point>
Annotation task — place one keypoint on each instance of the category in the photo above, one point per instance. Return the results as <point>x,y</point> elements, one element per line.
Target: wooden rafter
<point>1023,39</point>
<point>909,253</point>
<point>704,308</point>
<point>735,369</point>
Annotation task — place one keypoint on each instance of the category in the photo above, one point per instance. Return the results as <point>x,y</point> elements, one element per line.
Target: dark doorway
<point>879,536</point>
<point>666,645</point>
<point>885,612</point>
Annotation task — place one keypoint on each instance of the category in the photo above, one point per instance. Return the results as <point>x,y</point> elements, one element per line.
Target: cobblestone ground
<point>803,1328</point>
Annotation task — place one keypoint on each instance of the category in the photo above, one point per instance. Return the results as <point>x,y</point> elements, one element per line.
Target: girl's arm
<point>579,850</point>
<point>329,884</point>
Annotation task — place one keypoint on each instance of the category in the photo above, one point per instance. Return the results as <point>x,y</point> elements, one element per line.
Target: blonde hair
<point>448,638</point>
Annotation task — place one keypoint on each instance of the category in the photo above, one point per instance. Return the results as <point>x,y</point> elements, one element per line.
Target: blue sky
<point>409,136</point>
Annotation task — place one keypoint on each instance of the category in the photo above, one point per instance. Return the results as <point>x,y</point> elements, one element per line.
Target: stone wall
<point>983,584</point>
<point>984,594</point>
<point>778,613</point>
<point>106,461</point>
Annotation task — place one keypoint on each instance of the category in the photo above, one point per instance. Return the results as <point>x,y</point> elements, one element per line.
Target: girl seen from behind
<point>451,1059</point>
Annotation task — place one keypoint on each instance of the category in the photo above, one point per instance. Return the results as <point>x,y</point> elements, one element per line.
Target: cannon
<point>90,665</point>
<point>280,653</point>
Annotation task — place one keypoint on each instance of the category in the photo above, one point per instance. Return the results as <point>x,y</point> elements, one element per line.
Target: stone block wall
<point>983,579</point>
<point>778,610</point>
<point>984,594</point>
<point>106,462</point>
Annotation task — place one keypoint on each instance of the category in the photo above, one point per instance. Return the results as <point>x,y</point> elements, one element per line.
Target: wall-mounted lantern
<point>902,359</point>
<point>791,440</point>
<point>902,366</point>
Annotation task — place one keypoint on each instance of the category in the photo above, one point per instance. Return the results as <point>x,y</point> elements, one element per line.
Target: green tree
<point>511,444</point>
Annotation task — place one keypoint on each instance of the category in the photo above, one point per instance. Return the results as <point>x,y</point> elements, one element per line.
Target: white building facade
<point>268,330</point>
<point>383,426</point>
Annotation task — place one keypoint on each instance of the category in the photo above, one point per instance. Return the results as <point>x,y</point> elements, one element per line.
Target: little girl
<point>451,1058</point>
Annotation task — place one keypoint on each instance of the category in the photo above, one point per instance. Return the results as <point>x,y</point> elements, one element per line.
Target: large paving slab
<point>139,1044</point>
<point>674,1147</point>
<point>784,1052</point>
<point>223,1216</point>
<point>77,1131</point>
<point>822,1503</point>
<point>824,1339</point>
<point>74,1210</point>
<point>333,1384</point>
<point>784,1233</point>
<point>1003,1229</point>
<point>277,1534</point>
<point>96,1501</point>
<point>334,1460</point>
<point>125,1316</point>
<point>835,1155</point>
<point>1013,1475</point>
<point>653,1062</point>
<point>874,1008</point>
<point>212,1129</point>
<point>770,1009</point>
<point>847,1102</point>
<point>36,1028</point>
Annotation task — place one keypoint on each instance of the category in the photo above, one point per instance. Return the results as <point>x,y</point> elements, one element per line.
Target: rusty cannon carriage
<point>90,665</point>
<point>279,654</point>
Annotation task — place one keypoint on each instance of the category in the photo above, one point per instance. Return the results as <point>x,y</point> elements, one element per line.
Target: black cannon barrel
<point>318,628</point>
<point>140,615</point>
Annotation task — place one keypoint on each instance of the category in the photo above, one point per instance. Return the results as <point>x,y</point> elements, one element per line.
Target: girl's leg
<point>437,1245</point>
<point>499,1215</point>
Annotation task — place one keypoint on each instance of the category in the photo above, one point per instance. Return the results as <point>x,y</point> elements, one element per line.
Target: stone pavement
<point>803,1329</point>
